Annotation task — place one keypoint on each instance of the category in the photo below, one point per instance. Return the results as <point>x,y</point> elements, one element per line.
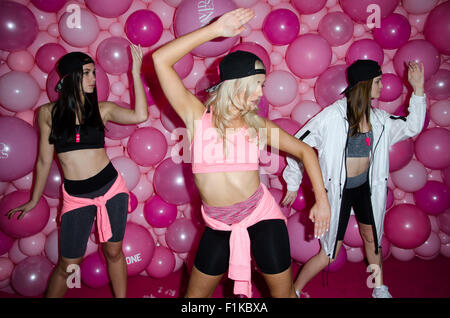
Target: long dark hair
<point>358,105</point>
<point>67,106</point>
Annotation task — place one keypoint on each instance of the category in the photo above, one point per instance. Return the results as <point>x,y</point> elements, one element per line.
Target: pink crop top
<point>207,149</point>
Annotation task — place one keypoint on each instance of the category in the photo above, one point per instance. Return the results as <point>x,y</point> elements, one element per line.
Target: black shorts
<point>76,225</point>
<point>269,245</point>
<point>359,199</point>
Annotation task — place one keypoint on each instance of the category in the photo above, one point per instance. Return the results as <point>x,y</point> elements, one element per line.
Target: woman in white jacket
<point>353,141</point>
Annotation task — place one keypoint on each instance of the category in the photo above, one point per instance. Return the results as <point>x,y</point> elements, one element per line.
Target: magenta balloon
<point>336,28</point>
<point>299,203</point>
<point>419,51</point>
<point>170,119</point>
<point>433,198</point>
<point>147,146</point>
<point>48,55</point>
<point>162,263</point>
<point>301,237</point>
<point>352,236</point>
<point>119,131</point>
<point>112,54</point>
<point>52,80</point>
<point>308,56</point>
<point>309,7</point>
<point>81,35</point>
<point>278,196</point>
<point>280,88</point>
<point>256,49</point>
<point>446,176</point>
<point>18,26</point>
<point>133,202</point>
<point>32,223</point>
<point>18,148</point>
<point>393,32</point>
<point>365,49</point>
<point>432,148</point>
<point>438,86</point>
<point>440,112</point>
<point>437,27</point>
<point>330,85</point>
<point>143,27</point>
<point>6,243</point>
<point>406,226</point>
<point>49,5</point>
<point>281,26</point>
<point>138,248</point>
<point>392,87</point>
<point>339,262</point>
<point>389,199</point>
<point>19,91</point>
<point>184,66</point>
<point>101,83</point>
<point>444,222</point>
<point>192,14</point>
<point>180,235</point>
<point>109,9</point>
<point>158,213</point>
<point>359,10</point>
<point>53,186</point>
<point>411,177</point>
<point>30,276</point>
<point>288,125</point>
<point>93,271</point>
<point>400,154</point>
<point>174,182</point>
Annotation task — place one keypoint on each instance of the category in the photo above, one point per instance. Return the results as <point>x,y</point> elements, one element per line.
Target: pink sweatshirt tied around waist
<point>240,256</point>
<point>103,224</point>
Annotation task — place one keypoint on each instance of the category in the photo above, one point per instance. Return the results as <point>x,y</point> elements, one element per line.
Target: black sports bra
<point>86,137</point>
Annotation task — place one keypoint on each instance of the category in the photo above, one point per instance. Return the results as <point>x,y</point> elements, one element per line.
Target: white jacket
<point>328,131</point>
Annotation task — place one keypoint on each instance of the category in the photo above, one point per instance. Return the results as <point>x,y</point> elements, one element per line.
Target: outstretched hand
<point>137,55</point>
<point>232,23</point>
<point>416,76</point>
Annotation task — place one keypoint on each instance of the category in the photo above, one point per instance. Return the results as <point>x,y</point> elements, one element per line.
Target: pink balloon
<point>308,56</point>
<point>101,83</point>
<point>138,248</point>
<point>304,111</point>
<point>170,119</point>
<point>174,182</point>
<point>280,88</point>
<point>180,235</point>
<point>385,247</point>
<point>113,56</point>
<point>49,5</point>
<point>281,27</point>
<point>80,35</point>
<point>401,254</point>
<point>159,213</point>
<point>147,146</point>
<point>143,27</point>
<point>438,86</point>
<point>162,263</point>
<point>432,148</point>
<point>444,222</point>
<point>392,87</point>
<point>288,125</point>
<point>354,254</point>
<point>299,203</point>
<point>393,32</point>
<point>336,28</point>
<point>400,154</point>
<point>119,131</point>
<point>18,26</point>
<point>352,236</point>
<point>30,276</point>
<point>53,186</point>
<point>128,169</point>
<point>411,177</point>
<point>191,15</point>
<point>390,199</point>
<point>48,55</point>
<point>18,148</point>
<point>21,61</point>
<point>32,245</point>
<point>19,91</point>
<point>406,226</point>
<point>440,112</point>
<point>256,49</point>
<point>93,271</point>
<point>278,196</point>
<point>419,51</point>
<point>133,202</point>
<point>330,85</point>
<point>309,7</point>
<point>446,176</point>
<point>437,27</point>
<point>418,6</point>
<point>6,268</point>
<point>51,247</point>
<point>52,80</point>
<point>301,237</point>
<point>108,9</point>
<point>365,49</point>
<point>430,247</point>
<point>184,66</point>
<point>433,198</point>
<point>360,11</point>
<point>339,262</point>
<point>263,107</point>
<point>5,243</point>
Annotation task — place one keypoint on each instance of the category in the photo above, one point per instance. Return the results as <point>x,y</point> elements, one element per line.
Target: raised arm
<point>186,105</point>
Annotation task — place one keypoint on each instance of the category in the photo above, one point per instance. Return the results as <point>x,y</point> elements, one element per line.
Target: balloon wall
<point>305,46</point>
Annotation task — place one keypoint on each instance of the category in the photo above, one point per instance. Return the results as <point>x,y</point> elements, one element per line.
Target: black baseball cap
<point>360,71</point>
<point>237,64</point>
<point>70,63</point>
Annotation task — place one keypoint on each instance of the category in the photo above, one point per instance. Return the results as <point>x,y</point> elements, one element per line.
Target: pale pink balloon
<point>419,6</point>
<point>365,49</point>
<point>330,85</point>
<point>437,27</point>
<point>21,61</point>
<point>128,169</point>
<point>309,7</point>
<point>108,9</point>
<point>392,87</point>
<point>113,56</point>
<point>164,11</point>
<point>411,177</point>
<point>51,247</point>
<point>400,154</point>
<point>280,88</point>
<point>144,189</point>
<point>401,254</point>
<point>438,86</point>
<point>261,10</point>
<point>440,112</point>
<point>80,35</point>
<point>15,254</point>
<point>430,247</point>
<point>181,235</point>
<point>432,148</point>
<point>19,91</point>
<point>241,3</point>
<point>352,236</point>
<point>355,254</point>
<point>6,268</point>
<point>32,245</point>
<point>162,263</point>
<point>119,131</point>
<point>24,183</point>
<point>360,11</point>
<point>48,55</point>
<point>304,111</point>
<point>30,276</point>
<point>336,28</point>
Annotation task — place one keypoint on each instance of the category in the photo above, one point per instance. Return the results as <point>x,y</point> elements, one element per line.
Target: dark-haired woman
<point>92,189</point>
<point>353,141</point>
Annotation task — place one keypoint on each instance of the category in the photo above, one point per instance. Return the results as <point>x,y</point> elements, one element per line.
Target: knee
<point>367,237</point>
<point>113,254</point>
<point>65,267</point>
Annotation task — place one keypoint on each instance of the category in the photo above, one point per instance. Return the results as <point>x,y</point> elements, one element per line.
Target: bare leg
<point>313,267</point>
<point>117,267</point>
<point>366,232</point>
<point>280,285</point>
<point>57,286</point>
<point>201,285</point>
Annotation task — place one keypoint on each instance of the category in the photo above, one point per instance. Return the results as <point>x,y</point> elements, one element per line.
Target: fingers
<point>11,213</point>
<point>244,15</point>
